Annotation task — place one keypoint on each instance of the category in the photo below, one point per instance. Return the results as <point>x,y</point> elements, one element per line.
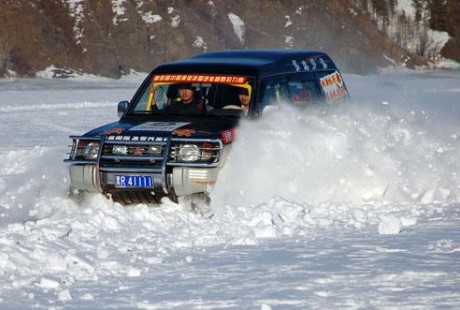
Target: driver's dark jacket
<point>179,107</point>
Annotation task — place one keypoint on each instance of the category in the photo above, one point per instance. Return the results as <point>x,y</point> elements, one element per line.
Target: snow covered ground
<point>349,207</point>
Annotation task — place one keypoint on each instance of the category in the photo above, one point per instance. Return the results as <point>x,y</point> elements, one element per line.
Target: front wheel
<point>197,203</point>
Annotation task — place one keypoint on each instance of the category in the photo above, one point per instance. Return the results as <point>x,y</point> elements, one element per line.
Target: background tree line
<point>414,32</point>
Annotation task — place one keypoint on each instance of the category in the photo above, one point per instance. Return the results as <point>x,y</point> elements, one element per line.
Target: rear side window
<point>298,89</point>
<point>302,91</point>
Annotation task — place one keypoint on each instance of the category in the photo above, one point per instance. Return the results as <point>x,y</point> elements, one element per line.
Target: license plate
<point>134,181</point>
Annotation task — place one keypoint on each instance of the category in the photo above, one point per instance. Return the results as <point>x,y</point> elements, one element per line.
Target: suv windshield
<point>187,94</point>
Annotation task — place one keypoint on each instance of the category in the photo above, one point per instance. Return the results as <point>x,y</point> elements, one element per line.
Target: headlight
<point>91,150</point>
<point>84,149</point>
<point>199,153</point>
<point>188,153</point>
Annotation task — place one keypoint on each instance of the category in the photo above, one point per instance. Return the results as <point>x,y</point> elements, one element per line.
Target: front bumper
<point>158,174</point>
<point>181,181</point>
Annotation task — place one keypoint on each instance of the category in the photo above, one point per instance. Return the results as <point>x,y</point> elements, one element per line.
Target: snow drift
<point>313,208</point>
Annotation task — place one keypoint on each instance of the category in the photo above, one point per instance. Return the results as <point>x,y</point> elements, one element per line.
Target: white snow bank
<point>283,251</point>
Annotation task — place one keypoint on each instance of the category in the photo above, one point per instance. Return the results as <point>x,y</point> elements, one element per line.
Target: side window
<point>299,89</point>
<point>302,90</point>
<point>274,91</point>
<point>271,94</point>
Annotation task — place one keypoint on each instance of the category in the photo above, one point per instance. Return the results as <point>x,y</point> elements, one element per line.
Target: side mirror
<point>122,107</point>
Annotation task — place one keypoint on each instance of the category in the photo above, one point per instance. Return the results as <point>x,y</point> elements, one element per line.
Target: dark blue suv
<point>175,134</point>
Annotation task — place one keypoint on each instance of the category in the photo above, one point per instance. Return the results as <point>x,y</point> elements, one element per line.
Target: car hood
<point>175,129</point>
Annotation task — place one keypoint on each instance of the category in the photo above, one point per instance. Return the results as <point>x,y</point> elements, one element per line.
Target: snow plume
<point>26,178</point>
<point>350,153</point>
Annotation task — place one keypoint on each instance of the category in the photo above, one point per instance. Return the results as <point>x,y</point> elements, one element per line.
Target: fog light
<point>120,149</point>
<point>155,150</point>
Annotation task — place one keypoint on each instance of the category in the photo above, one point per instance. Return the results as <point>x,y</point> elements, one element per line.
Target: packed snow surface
<point>354,206</point>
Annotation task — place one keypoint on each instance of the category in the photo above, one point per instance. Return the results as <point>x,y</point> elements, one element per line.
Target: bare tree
<point>4,55</point>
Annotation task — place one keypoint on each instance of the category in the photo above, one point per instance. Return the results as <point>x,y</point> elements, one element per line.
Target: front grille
<point>133,153</point>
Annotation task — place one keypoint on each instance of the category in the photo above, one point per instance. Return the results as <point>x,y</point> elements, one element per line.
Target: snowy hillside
<point>350,207</point>
<point>408,23</point>
<point>112,38</point>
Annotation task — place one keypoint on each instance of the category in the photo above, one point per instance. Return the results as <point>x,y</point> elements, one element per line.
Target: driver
<point>187,101</point>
